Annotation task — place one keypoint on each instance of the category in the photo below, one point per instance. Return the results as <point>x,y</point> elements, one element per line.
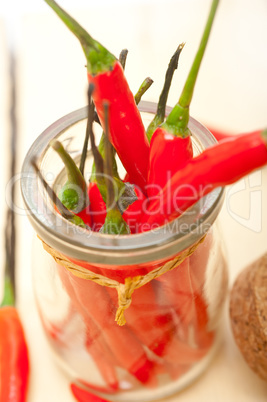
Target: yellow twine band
<point>126,289</point>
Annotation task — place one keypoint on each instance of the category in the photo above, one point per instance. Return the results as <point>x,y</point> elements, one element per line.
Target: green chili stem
<point>177,121</point>
<point>98,57</point>
<point>73,173</point>
<point>89,126</point>
<point>110,198</point>
<point>264,136</point>
<point>9,285</point>
<point>173,65</point>
<point>187,93</point>
<point>142,89</point>
<point>64,212</point>
<point>52,195</point>
<point>114,223</point>
<point>161,109</point>
<point>86,40</point>
<point>98,160</point>
<point>9,296</point>
<point>123,57</point>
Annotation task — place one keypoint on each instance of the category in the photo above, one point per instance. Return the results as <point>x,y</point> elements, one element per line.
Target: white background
<point>231,94</point>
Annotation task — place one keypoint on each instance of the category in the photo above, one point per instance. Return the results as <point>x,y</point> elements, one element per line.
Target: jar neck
<point>96,248</point>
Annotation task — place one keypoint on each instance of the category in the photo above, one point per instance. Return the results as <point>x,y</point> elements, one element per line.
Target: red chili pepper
<point>170,149</point>
<point>95,344</point>
<point>14,362</point>
<point>156,328</point>
<point>98,212</point>
<point>168,154</point>
<point>127,132</point>
<point>126,348</point>
<point>219,165</point>
<point>171,144</point>
<point>97,207</point>
<point>95,305</point>
<point>151,326</point>
<point>134,211</point>
<point>114,223</point>
<point>219,135</point>
<point>84,396</point>
<point>131,215</point>
<point>180,296</point>
<point>128,199</point>
<point>85,216</point>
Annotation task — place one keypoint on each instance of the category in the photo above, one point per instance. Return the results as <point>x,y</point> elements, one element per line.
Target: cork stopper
<point>248,313</point>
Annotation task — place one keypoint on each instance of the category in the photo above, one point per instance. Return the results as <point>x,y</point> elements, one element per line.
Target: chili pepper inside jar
<point>132,317</point>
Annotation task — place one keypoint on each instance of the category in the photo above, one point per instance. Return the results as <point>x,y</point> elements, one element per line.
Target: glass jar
<point>172,322</point>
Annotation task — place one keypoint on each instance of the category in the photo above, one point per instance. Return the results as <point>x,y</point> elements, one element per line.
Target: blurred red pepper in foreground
<point>83,396</point>
<point>14,362</point>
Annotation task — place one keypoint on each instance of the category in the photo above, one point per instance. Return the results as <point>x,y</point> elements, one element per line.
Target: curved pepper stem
<point>99,59</point>
<point>74,192</point>
<point>142,89</point>
<point>64,212</point>
<point>123,57</point>
<point>161,109</point>
<point>264,136</point>
<point>178,119</point>
<point>9,294</point>
<point>89,126</point>
<point>114,223</point>
<point>97,175</point>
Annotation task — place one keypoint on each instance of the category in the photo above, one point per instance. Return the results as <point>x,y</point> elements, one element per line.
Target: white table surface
<point>231,93</point>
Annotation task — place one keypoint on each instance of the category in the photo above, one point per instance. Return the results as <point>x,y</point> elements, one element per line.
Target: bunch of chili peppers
<point>161,171</point>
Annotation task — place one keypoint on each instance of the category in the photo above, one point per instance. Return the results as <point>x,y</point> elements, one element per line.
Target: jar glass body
<point>172,324</point>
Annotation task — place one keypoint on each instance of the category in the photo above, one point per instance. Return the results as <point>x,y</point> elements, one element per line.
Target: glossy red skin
<point>97,207</point>
<point>82,395</point>
<point>127,132</point>
<point>98,307</point>
<point>95,344</point>
<point>222,164</point>
<point>131,215</point>
<point>167,155</point>
<point>182,294</point>
<point>156,328</point>
<point>14,366</point>
<point>151,324</point>
<point>219,135</point>
<point>85,215</point>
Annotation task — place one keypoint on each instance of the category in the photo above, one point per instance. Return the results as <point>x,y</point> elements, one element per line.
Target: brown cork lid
<point>248,313</point>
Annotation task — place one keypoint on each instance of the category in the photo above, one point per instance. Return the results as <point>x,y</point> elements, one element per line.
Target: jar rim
<point>98,248</point>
